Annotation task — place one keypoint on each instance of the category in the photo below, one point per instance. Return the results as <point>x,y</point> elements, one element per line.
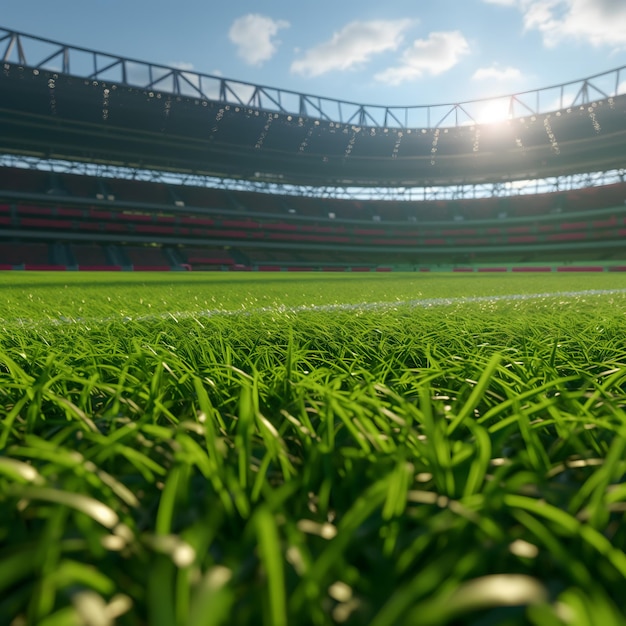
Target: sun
<point>492,111</point>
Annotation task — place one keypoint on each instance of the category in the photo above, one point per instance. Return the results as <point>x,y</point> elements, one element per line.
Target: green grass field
<point>204,449</point>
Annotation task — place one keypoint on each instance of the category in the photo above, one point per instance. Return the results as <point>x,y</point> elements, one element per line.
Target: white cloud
<point>255,37</point>
<point>353,45</point>
<point>497,73</point>
<point>598,22</point>
<point>435,55</point>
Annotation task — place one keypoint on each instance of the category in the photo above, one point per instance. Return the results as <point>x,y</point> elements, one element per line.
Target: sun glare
<point>492,111</point>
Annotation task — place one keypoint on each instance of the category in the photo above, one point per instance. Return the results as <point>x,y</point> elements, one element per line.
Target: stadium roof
<point>76,104</point>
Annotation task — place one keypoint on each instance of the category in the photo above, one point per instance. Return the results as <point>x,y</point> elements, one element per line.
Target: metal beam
<point>26,50</point>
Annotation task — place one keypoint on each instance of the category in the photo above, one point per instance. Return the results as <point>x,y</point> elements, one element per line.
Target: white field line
<point>305,308</point>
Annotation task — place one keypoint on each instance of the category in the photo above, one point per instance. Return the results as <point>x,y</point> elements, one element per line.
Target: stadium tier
<point>120,229</point>
<point>291,215</point>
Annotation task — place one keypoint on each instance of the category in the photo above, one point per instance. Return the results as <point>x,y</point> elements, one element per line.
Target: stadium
<point>114,163</point>
<point>333,409</point>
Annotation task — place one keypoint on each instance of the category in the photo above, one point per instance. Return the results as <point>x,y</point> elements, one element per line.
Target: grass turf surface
<point>458,463</point>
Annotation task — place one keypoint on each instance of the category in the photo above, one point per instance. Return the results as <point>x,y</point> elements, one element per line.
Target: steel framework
<point>45,54</point>
<point>410,194</point>
<point>79,105</point>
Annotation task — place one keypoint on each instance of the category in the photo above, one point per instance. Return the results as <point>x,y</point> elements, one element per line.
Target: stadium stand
<point>124,213</point>
<point>584,217</point>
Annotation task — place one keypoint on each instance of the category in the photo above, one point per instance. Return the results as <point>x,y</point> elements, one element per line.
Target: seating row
<point>132,226</point>
<point>150,193</point>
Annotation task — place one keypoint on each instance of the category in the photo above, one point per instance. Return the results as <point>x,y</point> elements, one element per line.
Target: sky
<point>396,53</point>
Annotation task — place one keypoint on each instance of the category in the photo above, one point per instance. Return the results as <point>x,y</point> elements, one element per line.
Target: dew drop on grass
<point>113,543</point>
<point>522,548</point>
<point>497,590</point>
<point>91,608</point>
<point>217,577</point>
<point>123,531</point>
<point>183,555</point>
<point>294,557</point>
<point>340,591</point>
<point>118,605</point>
<point>325,530</point>
<point>100,512</point>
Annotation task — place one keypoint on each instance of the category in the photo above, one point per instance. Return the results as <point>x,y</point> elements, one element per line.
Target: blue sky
<point>404,52</point>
